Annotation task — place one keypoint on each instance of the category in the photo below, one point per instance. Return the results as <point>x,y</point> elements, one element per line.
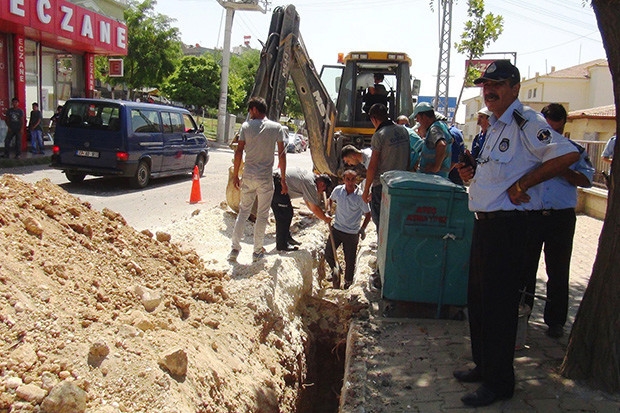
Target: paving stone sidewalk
<point>379,379</point>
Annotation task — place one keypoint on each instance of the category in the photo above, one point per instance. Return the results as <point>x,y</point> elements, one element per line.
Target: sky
<point>544,34</point>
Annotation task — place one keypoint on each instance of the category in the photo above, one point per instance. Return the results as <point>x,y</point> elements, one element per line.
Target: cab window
<point>189,123</point>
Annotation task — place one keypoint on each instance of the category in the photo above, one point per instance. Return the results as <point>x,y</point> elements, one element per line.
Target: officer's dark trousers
<point>349,246</point>
<point>498,246</point>
<point>555,230</point>
<point>283,214</point>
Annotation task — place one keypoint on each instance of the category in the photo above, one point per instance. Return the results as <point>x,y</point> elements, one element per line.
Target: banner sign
<point>63,24</point>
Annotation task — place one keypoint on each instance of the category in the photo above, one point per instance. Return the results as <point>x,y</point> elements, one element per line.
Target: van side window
<point>144,121</point>
<point>177,122</point>
<point>189,123</point>
<point>166,122</point>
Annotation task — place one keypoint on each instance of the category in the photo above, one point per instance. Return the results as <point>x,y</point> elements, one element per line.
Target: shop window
<point>64,77</point>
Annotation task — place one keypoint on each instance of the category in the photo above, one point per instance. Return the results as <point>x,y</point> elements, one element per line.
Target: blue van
<point>140,141</point>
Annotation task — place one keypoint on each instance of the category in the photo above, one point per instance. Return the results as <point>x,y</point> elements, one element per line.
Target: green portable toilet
<point>424,239</point>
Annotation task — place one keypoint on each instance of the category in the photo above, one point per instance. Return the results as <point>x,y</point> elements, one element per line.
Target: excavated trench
<point>327,318</point>
<point>321,390</point>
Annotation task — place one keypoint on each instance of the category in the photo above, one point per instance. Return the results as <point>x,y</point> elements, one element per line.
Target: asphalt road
<point>163,201</point>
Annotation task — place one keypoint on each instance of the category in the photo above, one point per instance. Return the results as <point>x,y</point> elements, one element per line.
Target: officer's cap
<point>500,70</point>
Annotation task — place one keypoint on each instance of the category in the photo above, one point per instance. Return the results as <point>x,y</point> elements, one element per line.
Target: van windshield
<point>91,115</point>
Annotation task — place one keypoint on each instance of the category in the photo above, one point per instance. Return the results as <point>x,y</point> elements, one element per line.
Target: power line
<point>529,18</point>
<point>556,45</point>
<point>554,14</point>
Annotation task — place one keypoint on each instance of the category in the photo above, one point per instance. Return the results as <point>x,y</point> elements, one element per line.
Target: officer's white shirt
<point>509,152</point>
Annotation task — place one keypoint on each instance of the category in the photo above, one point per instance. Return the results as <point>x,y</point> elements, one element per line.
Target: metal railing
<point>595,149</point>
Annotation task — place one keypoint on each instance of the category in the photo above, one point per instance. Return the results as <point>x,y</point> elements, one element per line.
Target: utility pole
<point>231,6</point>
<point>443,68</point>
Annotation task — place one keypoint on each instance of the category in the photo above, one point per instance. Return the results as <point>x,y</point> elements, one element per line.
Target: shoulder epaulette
<point>519,118</point>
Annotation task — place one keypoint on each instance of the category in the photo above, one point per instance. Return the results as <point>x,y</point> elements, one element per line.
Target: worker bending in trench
<point>347,227</point>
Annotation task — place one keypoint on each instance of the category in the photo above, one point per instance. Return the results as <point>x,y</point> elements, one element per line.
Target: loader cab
<point>350,85</point>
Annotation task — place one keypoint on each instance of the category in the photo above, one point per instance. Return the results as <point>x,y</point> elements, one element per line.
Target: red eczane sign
<point>64,24</point>
<point>116,67</point>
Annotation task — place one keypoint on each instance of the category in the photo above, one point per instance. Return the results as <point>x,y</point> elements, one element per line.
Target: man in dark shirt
<point>15,122</point>
<point>36,131</point>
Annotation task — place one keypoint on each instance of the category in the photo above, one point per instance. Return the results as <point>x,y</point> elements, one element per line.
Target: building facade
<point>48,49</point>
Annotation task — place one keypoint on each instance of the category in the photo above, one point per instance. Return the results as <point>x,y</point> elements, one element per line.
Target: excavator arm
<point>284,55</point>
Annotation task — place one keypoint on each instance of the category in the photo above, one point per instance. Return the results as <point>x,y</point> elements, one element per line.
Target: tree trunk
<point>593,353</point>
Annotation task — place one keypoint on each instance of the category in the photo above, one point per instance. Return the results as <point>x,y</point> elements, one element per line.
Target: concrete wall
<point>601,87</point>
<point>592,202</point>
<point>591,129</point>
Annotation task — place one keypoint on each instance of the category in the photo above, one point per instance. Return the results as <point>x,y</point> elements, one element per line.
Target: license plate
<point>88,154</point>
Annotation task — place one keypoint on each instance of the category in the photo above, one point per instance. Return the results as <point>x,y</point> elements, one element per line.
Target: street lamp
<point>231,6</point>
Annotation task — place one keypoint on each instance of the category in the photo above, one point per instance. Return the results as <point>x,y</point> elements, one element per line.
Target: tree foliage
<point>479,31</point>
<point>244,67</point>
<point>241,74</point>
<point>195,82</point>
<point>236,93</point>
<point>292,103</point>
<point>153,46</point>
<point>593,353</point>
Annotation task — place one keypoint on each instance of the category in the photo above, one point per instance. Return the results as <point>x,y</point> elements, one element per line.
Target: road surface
<point>160,204</point>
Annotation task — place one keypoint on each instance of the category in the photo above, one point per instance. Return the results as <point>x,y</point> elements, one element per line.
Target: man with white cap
<point>520,152</point>
<point>483,121</point>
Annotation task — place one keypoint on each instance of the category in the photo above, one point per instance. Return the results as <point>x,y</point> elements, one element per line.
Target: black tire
<point>75,177</point>
<point>201,163</point>
<point>142,176</point>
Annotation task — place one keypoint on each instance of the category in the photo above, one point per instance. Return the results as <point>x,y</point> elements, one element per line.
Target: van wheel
<point>200,163</point>
<point>142,176</point>
<point>75,177</point>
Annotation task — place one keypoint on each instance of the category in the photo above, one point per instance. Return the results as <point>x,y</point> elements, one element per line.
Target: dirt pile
<point>95,315</point>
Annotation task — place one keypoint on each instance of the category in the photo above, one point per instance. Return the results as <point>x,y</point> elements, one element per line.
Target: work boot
<point>256,256</point>
<point>232,257</point>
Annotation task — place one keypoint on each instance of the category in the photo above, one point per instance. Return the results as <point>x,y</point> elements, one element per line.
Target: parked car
<point>296,143</point>
<point>304,142</point>
<point>140,141</point>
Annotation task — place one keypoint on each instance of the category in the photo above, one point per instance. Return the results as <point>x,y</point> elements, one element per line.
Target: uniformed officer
<point>520,151</point>
<point>554,226</point>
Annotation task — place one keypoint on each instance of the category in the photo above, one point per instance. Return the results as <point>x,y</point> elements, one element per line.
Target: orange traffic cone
<point>195,196</point>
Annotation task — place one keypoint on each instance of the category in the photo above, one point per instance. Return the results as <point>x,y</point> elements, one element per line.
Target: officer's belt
<point>549,212</point>
<point>499,214</point>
